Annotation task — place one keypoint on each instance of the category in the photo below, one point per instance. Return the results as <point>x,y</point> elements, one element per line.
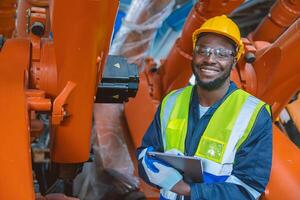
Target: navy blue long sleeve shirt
<point>252,163</point>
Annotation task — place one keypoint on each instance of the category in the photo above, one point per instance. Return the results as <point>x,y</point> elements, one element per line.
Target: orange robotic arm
<point>56,76</point>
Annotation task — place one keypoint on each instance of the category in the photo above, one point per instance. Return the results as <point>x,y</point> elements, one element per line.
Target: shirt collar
<point>195,102</point>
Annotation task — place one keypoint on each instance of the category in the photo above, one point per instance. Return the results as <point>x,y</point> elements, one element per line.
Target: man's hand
<point>158,172</point>
<point>182,188</point>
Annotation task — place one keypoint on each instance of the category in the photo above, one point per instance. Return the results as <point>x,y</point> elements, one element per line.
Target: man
<point>230,130</point>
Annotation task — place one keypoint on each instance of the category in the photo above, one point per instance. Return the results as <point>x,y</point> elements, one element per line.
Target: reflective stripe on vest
<point>237,181</point>
<point>228,128</point>
<point>175,116</point>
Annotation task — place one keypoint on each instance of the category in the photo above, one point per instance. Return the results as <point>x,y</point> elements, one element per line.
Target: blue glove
<point>158,172</point>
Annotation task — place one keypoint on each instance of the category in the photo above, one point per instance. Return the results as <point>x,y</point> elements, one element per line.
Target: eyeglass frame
<point>214,51</point>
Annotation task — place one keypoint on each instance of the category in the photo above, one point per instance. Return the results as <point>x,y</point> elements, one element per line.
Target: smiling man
<point>229,129</point>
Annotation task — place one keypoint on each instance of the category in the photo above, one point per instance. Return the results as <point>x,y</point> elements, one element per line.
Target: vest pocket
<point>175,137</point>
<point>211,149</point>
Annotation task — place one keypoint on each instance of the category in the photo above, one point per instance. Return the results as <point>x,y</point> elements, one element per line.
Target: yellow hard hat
<point>224,26</point>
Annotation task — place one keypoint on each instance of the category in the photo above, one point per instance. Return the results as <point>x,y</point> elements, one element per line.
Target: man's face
<point>212,61</point>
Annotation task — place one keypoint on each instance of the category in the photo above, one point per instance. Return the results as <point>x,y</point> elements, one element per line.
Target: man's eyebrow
<point>202,45</point>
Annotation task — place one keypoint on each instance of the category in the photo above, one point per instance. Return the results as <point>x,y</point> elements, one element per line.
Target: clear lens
<point>218,52</point>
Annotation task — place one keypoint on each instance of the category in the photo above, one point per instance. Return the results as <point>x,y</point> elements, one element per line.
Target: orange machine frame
<point>58,76</point>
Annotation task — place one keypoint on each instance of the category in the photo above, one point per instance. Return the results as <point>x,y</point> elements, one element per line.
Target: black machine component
<point>38,29</point>
<point>119,81</point>
<point>250,14</point>
<point>250,57</point>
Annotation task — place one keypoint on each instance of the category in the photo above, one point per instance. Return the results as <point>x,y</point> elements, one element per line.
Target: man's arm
<point>182,188</point>
<point>251,169</point>
<point>152,138</point>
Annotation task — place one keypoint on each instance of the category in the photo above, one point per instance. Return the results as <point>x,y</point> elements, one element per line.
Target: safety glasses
<point>217,52</point>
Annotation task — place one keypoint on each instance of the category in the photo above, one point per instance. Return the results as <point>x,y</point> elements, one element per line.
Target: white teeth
<point>208,71</point>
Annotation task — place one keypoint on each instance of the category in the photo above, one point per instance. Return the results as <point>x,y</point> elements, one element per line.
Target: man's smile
<point>208,70</point>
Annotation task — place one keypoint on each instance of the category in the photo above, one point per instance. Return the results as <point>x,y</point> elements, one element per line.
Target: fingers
<point>150,164</point>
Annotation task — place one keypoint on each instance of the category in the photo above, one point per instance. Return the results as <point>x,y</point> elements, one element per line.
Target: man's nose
<point>210,58</point>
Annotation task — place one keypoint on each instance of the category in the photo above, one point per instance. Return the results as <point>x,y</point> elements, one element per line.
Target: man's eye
<point>197,50</point>
<point>202,51</point>
<point>222,53</point>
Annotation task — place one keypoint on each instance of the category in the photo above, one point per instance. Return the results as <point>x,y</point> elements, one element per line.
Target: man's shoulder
<point>251,95</point>
<point>265,111</point>
<point>178,91</point>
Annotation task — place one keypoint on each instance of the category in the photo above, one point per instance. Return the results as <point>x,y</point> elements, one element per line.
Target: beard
<point>214,84</point>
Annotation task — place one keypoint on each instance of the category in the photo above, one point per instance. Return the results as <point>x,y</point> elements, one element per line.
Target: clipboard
<point>190,167</point>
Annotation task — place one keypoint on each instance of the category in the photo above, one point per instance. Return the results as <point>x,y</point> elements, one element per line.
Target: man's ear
<point>234,62</point>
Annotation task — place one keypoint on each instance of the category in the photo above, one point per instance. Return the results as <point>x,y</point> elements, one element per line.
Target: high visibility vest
<point>227,129</point>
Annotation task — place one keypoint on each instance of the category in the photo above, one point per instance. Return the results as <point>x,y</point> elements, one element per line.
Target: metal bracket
<point>58,111</point>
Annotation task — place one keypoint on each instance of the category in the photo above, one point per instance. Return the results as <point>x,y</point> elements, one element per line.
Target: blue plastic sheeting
<point>124,5</point>
<point>176,20</point>
<point>178,16</point>
<point>170,31</point>
<point>127,2</point>
<point>118,22</point>
<point>166,34</point>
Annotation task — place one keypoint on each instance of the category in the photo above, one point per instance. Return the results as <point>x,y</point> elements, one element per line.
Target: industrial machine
<point>54,65</point>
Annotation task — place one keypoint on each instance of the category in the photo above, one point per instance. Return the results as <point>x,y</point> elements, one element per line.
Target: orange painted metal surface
<point>37,76</point>
<point>40,3</point>
<point>59,112</point>
<point>16,173</point>
<point>276,68</point>
<point>76,52</point>
<point>7,17</point>
<point>36,15</point>
<point>285,177</point>
<point>22,18</point>
<point>280,17</point>
<point>38,103</point>
<point>23,22</point>
<point>246,78</point>
<point>43,72</point>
